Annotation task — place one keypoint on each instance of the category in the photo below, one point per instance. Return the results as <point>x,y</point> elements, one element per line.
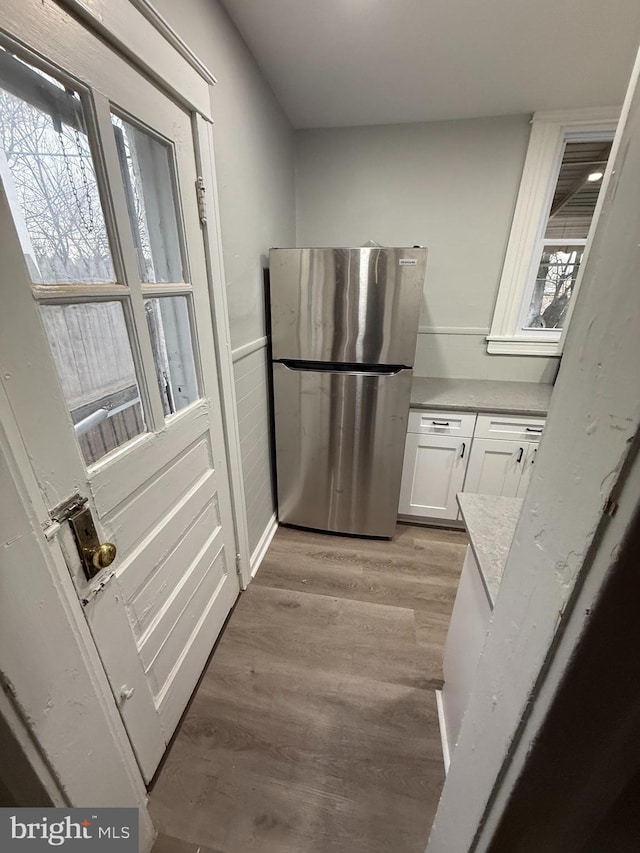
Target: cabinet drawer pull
<point>463,449</point>
<point>534,429</point>
<point>520,455</point>
<point>440,423</point>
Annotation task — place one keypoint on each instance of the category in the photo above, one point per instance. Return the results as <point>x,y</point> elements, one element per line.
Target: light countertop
<point>481,395</point>
<point>491,523</point>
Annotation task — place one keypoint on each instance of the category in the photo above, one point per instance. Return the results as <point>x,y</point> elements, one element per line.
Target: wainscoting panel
<point>252,389</point>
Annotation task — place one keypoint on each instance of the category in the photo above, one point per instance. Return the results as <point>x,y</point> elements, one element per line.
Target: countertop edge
<point>475,554</point>
<point>486,396</point>
<point>483,410</point>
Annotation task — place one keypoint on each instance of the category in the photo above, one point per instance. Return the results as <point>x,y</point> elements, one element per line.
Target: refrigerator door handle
<point>344,370</point>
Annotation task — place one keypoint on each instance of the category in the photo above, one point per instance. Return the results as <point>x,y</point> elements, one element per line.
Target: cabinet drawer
<point>442,423</point>
<point>511,427</point>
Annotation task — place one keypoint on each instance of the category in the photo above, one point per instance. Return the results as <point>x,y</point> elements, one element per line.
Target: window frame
<point>550,130</point>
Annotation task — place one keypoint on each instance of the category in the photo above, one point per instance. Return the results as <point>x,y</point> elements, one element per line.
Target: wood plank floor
<point>314,729</point>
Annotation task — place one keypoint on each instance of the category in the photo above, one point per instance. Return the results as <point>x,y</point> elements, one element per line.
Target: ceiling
<point>575,195</point>
<point>338,63</point>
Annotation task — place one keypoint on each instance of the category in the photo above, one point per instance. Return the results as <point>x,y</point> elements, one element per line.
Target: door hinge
<point>238,566</point>
<point>202,201</point>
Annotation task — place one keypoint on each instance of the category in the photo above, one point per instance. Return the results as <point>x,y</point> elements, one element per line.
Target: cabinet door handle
<point>520,455</point>
<point>534,429</point>
<point>440,423</point>
<point>463,449</point>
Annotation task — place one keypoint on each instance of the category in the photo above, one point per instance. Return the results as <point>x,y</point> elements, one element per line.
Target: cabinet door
<point>527,469</point>
<point>433,473</point>
<point>495,467</point>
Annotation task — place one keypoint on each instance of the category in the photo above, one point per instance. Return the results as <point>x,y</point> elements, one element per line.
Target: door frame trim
<point>211,232</point>
<point>135,30</point>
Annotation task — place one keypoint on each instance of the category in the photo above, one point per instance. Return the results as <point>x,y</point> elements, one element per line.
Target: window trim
<point>549,130</point>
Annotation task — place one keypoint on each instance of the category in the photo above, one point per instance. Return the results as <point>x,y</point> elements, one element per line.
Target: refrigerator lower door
<point>340,438</point>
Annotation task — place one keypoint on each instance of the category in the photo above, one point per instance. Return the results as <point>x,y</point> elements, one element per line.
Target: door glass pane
<point>147,170</point>
<point>48,176</point>
<point>170,330</point>
<point>92,353</point>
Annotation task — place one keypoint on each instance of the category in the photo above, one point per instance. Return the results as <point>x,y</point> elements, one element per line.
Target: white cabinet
<point>433,473</point>
<point>435,463</point>
<point>465,639</point>
<point>451,452</point>
<point>511,427</point>
<point>527,470</point>
<point>500,467</point>
<point>442,423</point>
<point>502,455</point>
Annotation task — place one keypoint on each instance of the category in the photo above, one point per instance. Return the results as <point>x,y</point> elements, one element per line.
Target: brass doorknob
<point>103,555</point>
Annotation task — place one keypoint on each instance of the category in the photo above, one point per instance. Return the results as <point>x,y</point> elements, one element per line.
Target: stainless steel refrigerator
<point>344,324</point>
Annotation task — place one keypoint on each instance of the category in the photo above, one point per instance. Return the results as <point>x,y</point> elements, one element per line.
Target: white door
<point>433,473</point>
<point>108,358</point>
<point>495,467</point>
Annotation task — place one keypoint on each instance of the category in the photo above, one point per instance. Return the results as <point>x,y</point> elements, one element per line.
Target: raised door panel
<point>495,467</point>
<point>433,473</point>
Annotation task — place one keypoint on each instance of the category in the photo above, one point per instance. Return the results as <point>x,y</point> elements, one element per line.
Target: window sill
<point>505,345</point>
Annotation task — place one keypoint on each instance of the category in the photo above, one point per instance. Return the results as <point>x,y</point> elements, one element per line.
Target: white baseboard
<point>261,548</point>
<point>443,731</point>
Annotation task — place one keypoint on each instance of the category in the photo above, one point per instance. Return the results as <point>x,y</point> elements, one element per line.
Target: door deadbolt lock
<point>95,555</point>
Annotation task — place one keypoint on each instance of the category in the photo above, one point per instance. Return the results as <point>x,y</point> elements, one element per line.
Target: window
<point>555,214</point>
<point>92,353</point>
<point>170,330</point>
<point>47,170</point>
<point>150,184</point>
<point>48,174</point>
<point>105,340</point>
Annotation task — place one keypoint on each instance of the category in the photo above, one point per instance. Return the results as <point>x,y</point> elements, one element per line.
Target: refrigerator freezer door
<point>340,441</point>
<point>346,305</point>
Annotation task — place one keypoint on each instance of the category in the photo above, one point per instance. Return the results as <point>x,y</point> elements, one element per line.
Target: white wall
<point>450,186</point>
<point>254,149</point>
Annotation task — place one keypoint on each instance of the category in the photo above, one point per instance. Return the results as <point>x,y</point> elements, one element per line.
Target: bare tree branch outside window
<point>54,180</point>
